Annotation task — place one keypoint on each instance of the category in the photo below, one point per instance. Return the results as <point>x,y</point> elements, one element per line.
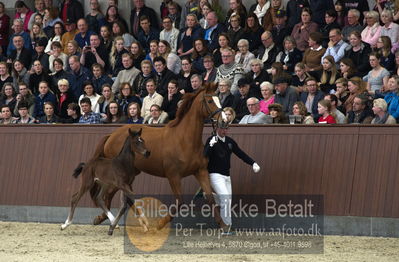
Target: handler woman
<point>218,149</point>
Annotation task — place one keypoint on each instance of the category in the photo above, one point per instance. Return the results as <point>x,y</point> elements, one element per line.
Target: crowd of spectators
<point>318,61</point>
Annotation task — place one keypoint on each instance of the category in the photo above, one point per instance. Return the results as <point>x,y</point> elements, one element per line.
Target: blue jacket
<point>27,42</point>
<point>76,81</point>
<point>392,100</point>
<point>39,103</point>
<point>146,39</point>
<point>99,82</point>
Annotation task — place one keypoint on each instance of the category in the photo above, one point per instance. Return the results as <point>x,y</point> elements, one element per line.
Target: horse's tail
<point>99,152</point>
<point>78,170</point>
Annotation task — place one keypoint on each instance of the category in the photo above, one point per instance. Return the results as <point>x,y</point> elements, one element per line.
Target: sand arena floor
<point>46,242</point>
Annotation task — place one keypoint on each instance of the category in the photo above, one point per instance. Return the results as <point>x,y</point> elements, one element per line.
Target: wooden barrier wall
<point>354,167</point>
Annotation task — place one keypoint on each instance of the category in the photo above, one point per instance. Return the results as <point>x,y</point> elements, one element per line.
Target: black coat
<point>272,55</point>
<point>147,11</point>
<point>319,96</point>
<point>294,57</point>
<point>280,33</point>
<point>254,38</point>
<point>254,90</point>
<point>170,107</point>
<point>240,106</point>
<point>228,101</point>
<point>62,108</point>
<point>25,57</point>
<point>162,80</point>
<point>74,11</point>
<point>214,42</point>
<point>360,58</point>
<point>294,9</point>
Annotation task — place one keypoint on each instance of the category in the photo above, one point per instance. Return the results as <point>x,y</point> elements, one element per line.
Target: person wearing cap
<point>255,115</point>
<point>218,149</point>
<point>280,29</point>
<point>71,32</point>
<point>240,101</point>
<point>285,95</point>
<point>40,55</point>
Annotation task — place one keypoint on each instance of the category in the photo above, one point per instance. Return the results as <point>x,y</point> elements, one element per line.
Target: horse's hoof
<point>98,220</point>
<point>161,223</point>
<point>110,232</point>
<point>145,229</point>
<point>63,226</point>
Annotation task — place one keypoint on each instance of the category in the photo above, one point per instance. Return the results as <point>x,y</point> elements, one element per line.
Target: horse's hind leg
<point>102,205</point>
<point>85,186</point>
<point>108,200</point>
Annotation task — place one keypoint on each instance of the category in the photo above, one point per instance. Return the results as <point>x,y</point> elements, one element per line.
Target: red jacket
<point>26,20</point>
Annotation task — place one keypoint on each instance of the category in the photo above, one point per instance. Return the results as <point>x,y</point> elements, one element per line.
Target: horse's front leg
<point>175,184</point>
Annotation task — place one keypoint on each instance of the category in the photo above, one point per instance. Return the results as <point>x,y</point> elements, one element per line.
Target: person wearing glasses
<point>372,31</point>
<point>255,115</point>
<point>169,33</point>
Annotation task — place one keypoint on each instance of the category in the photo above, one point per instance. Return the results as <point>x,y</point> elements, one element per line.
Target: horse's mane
<point>188,100</point>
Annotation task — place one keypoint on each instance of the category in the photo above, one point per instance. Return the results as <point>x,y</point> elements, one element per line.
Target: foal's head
<point>138,144</point>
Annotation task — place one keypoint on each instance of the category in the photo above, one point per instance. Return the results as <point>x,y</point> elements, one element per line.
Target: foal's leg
<point>127,192</point>
<point>107,196</point>
<point>175,184</point>
<point>203,179</point>
<point>86,184</point>
<point>101,204</point>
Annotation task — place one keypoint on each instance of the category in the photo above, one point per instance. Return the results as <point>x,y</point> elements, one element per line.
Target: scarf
<point>261,11</point>
<point>382,120</point>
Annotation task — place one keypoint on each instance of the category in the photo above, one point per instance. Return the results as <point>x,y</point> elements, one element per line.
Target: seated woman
<point>391,96</point>
<point>237,8</point>
<point>260,9</point>
<point>252,32</point>
<point>298,80</point>
<point>225,96</point>
<point>112,16</point>
<point>118,29</point>
<point>209,75</point>
<point>187,35</point>
<point>256,76</point>
<point>115,57</point>
<point>49,115</point>
<point>50,20</point>
<point>358,52</point>
<point>342,93</point>
<point>106,37</point>
<point>106,98</point>
<point>169,103</point>
<point>299,109</point>
<point>290,56</point>
<point>324,109</point>
<point>184,77</point>
<point>8,96</point>
<point>157,116</point>
<point>134,114</point>
<point>372,31</point>
<point>277,114</point>
<point>173,62</point>
<point>95,19</point>
<point>244,56</point>
<point>224,43</point>
<point>302,30</point>
<point>384,46</point>
<point>356,86</point>
<point>347,68</point>
<point>37,34</point>
<point>381,115</point>
<point>56,50</point>
<point>198,55</point>
<point>125,97</point>
<point>19,73</point>
<point>114,114</point>
<point>138,54</point>
<point>88,91</point>
<point>230,115</point>
<point>377,78</point>
<point>328,75</point>
<point>267,90</point>
<point>235,32</point>
<point>5,76</point>
<point>312,56</point>
<point>277,71</point>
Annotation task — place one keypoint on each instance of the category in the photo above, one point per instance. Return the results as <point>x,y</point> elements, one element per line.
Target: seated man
<point>88,117</point>
<point>285,95</point>
<point>255,116</point>
<point>240,101</point>
<point>361,113</point>
<point>152,98</point>
<point>24,117</point>
<point>127,75</point>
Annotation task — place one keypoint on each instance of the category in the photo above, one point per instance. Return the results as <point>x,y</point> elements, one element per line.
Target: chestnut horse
<point>176,149</point>
<point>117,172</point>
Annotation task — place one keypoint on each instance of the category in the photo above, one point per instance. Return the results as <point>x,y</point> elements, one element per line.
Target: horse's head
<point>138,144</point>
<point>211,104</point>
